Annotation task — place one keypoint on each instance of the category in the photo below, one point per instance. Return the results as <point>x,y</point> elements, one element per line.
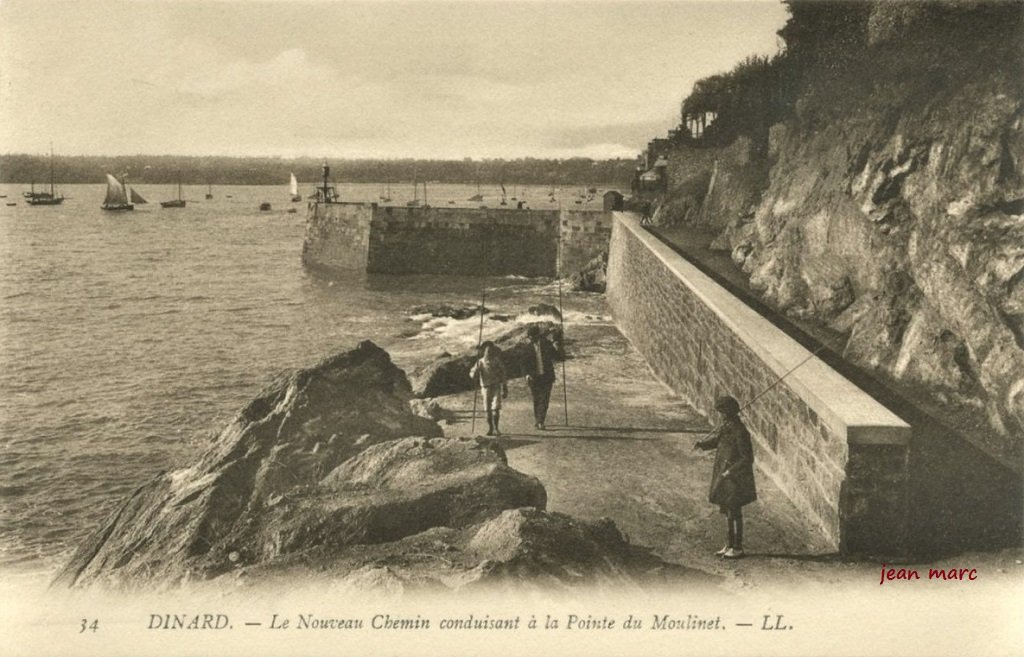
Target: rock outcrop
<point>449,374</point>
<point>448,310</point>
<point>526,548</point>
<point>594,275</point>
<point>328,478</point>
<point>186,523</point>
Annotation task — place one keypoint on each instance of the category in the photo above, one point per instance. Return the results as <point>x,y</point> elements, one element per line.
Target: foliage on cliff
<point>888,201</point>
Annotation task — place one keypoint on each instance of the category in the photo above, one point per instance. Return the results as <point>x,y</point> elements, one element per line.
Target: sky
<point>361,79</point>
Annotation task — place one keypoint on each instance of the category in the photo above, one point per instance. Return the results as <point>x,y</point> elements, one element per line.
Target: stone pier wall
<point>337,236</point>
<point>584,234</point>
<point>840,456</point>
<point>457,241</point>
<point>463,241</point>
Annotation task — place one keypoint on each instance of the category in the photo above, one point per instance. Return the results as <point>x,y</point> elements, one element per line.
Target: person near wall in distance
<point>732,478</point>
<point>489,371</point>
<point>540,373</point>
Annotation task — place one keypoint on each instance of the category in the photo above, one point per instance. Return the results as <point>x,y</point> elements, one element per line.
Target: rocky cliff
<point>881,194</point>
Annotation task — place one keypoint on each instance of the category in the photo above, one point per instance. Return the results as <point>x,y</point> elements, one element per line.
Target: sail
<point>295,186</point>
<point>136,198</point>
<point>115,192</point>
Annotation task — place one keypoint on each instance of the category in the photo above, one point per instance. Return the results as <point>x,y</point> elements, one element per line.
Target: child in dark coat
<point>732,478</point>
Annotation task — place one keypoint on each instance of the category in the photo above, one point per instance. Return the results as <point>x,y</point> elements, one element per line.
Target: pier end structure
<point>388,239</point>
<point>840,456</point>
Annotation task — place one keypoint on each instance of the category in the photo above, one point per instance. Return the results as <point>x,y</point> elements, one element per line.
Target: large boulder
<point>521,549</point>
<point>449,374</point>
<point>389,491</point>
<point>185,523</point>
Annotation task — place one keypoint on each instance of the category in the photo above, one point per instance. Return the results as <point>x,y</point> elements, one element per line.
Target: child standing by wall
<point>490,371</point>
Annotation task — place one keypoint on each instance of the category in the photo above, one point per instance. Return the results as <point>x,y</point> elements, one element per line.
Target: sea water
<point>129,339</point>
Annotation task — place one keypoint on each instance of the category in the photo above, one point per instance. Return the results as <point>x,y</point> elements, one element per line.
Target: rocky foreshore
<point>329,474</point>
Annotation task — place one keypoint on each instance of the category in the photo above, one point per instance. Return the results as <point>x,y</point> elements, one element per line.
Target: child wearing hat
<point>732,478</point>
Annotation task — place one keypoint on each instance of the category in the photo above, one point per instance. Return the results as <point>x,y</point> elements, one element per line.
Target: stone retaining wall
<point>840,456</point>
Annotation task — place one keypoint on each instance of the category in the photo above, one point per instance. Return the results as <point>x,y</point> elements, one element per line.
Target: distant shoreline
<point>20,168</point>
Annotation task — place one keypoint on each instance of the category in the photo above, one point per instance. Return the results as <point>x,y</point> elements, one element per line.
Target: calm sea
<point>128,339</point>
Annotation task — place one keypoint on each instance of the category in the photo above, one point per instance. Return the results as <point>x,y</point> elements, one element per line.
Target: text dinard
<point>309,621</point>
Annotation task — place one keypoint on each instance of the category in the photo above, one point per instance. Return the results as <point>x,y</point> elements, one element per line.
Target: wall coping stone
<point>847,409</point>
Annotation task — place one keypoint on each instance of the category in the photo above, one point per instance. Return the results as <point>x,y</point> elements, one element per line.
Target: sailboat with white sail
<point>119,195</point>
<point>294,188</point>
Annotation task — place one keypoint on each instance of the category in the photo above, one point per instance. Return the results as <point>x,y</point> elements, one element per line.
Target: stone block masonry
<point>463,241</point>
<point>838,455</point>
<point>337,236</point>
<point>584,234</point>
<point>455,241</point>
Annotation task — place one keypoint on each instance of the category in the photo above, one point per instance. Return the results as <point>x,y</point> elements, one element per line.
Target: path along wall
<point>457,241</point>
<point>840,456</point>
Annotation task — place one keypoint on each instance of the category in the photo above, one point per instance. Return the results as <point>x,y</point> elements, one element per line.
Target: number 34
<point>86,625</point>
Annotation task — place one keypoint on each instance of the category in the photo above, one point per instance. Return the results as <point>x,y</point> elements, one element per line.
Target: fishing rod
<point>561,324</point>
<point>479,341</point>
<point>762,393</point>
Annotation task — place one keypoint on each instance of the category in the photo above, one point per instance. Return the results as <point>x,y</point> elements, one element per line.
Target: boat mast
<point>52,194</point>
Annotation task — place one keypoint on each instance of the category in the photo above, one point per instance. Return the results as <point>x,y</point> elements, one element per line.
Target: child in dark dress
<point>732,478</point>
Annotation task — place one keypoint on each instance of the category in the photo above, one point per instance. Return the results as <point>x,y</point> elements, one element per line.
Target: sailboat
<point>386,195</point>
<point>415,191</point>
<point>478,196</point>
<point>118,195</point>
<point>176,203</point>
<point>45,198</point>
<point>296,197</point>
<point>209,191</point>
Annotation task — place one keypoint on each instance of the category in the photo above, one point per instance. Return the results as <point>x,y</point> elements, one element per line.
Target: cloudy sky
<point>374,79</point>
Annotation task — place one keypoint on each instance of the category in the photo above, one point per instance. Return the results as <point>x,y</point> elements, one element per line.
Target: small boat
<point>209,192</point>
<point>264,207</point>
<point>11,204</point>
<point>118,195</point>
<point>230,196</point>
<point>175,203</point>
<point>45,198</point>
<point>294,187</point>
<point>292,210</point>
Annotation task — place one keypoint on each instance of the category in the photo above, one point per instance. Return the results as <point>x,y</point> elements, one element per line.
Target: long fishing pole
<point>762,393</point>
<point>561,323</point>
<point>479,341</point>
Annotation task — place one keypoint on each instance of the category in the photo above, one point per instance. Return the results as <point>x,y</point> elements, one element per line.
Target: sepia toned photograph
<point>526,328</point>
